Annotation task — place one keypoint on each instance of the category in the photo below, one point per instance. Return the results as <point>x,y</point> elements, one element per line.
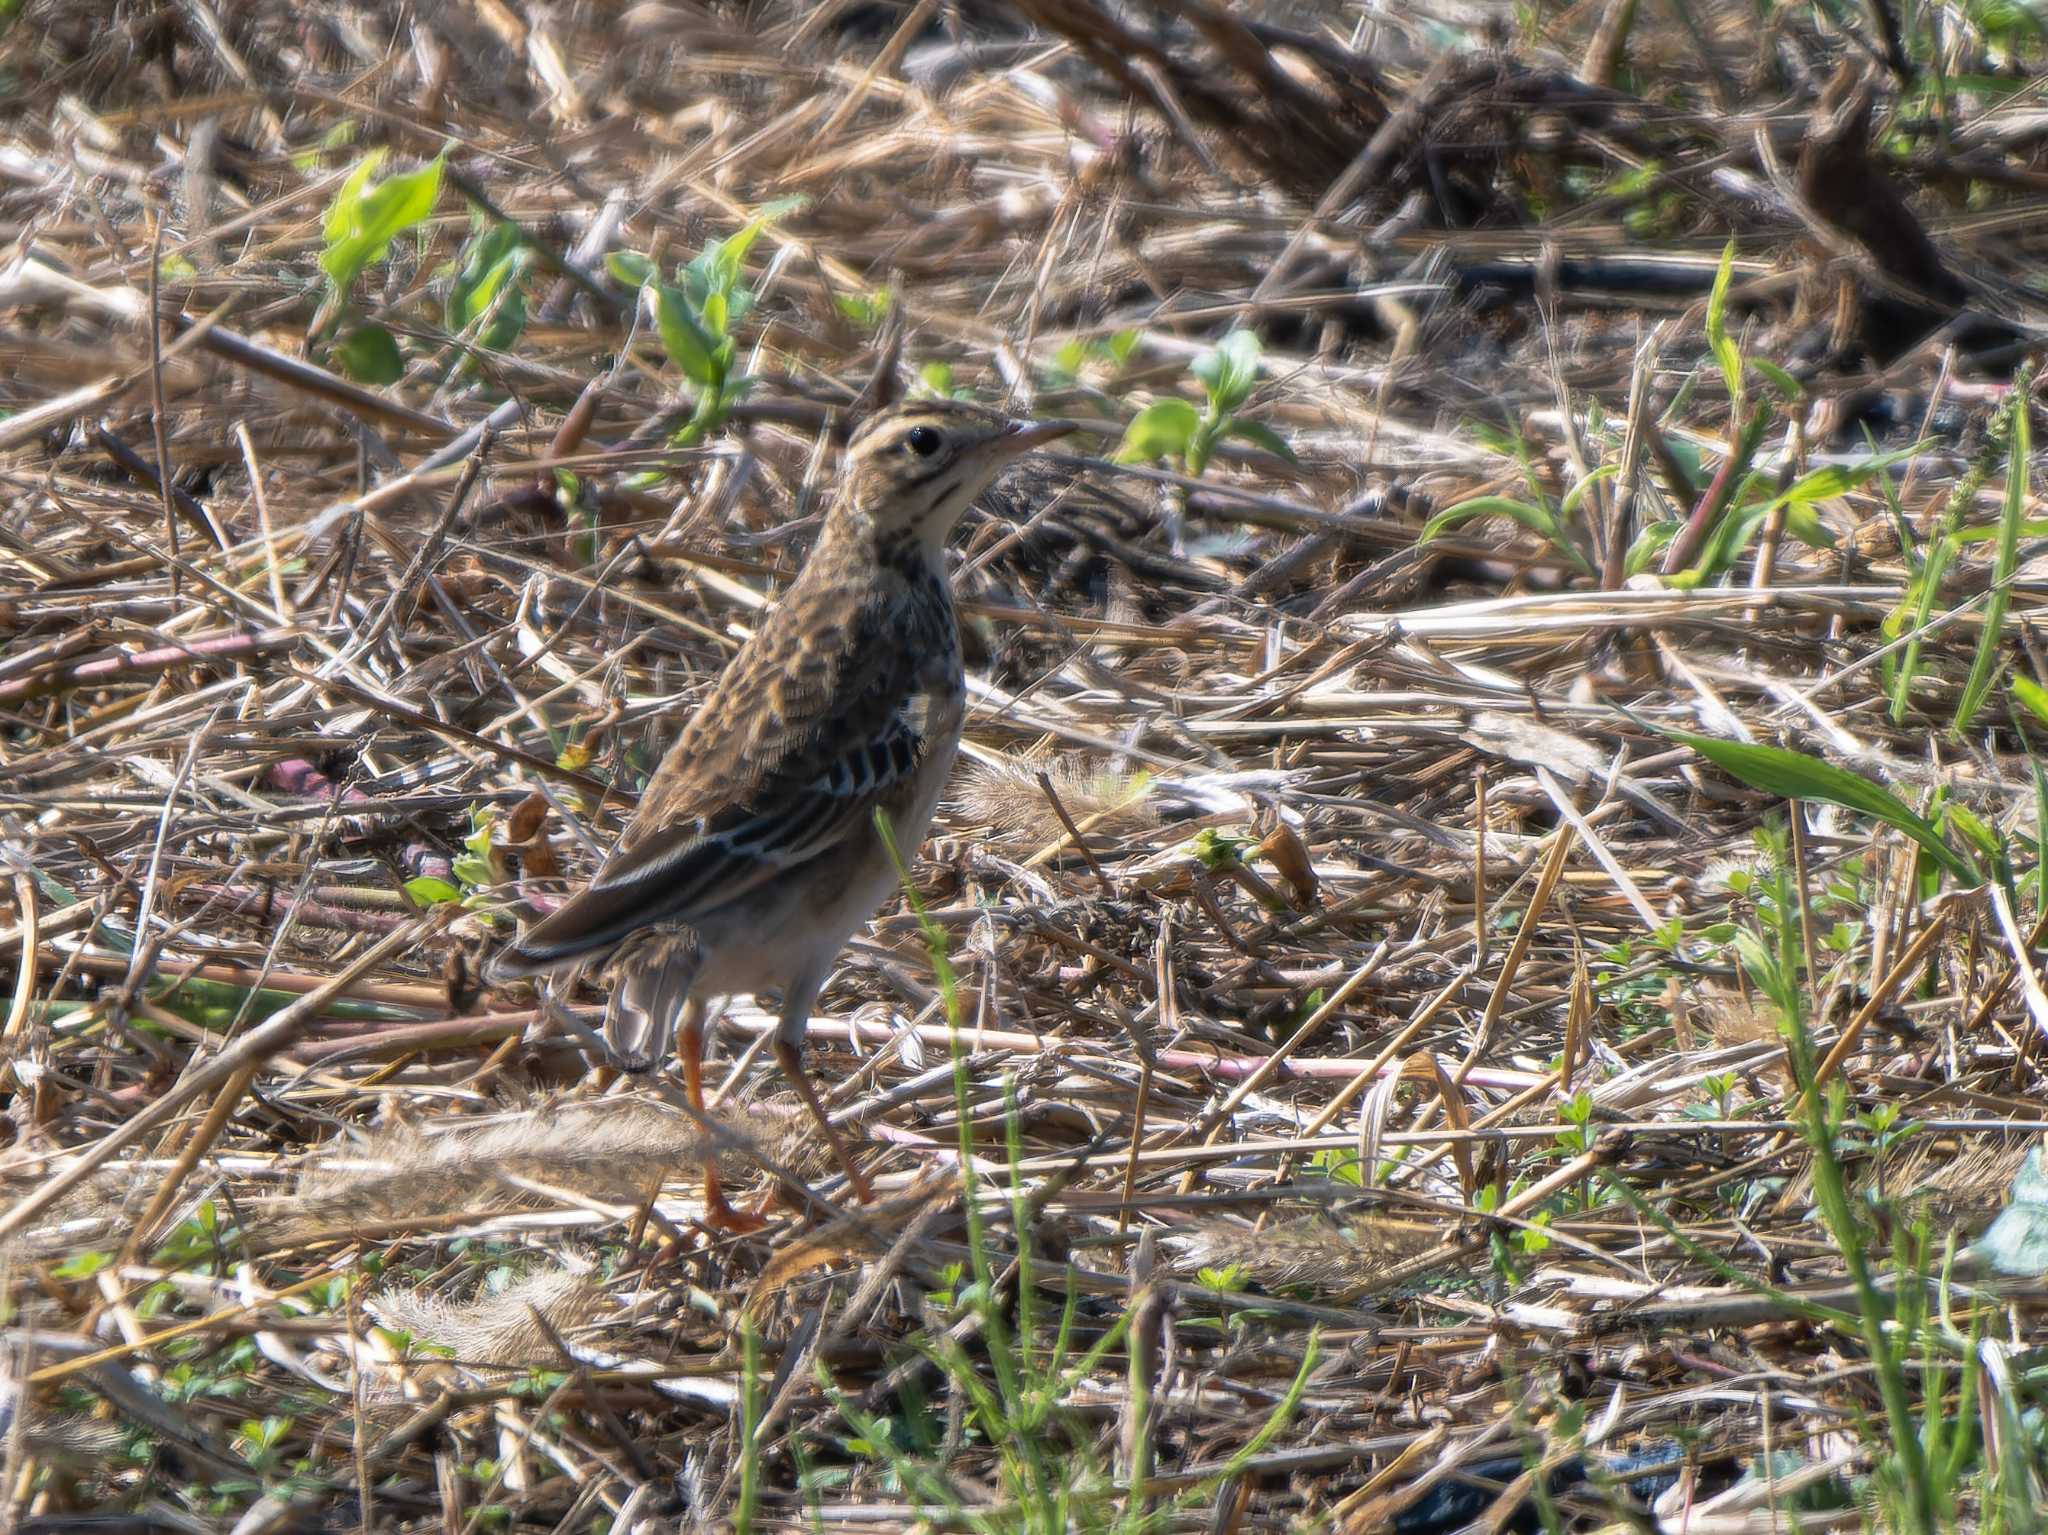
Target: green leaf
<point>1121,345</point>
<point>1788,387</point>
<point>1229,370</point>
<point>867,310</point>
<point>2004,562</point>
<point>83,1266</point>
<point>1261,434</point>
<point>480,272</point>
<point>695,278</point>
<point>1727,538</point>
<point>1505,440</point>
<point>722,259</point>
<point>481,819</point>
<point>369,355</point>
<point>425,890</point>
<point>629,269</point>
<point>1577,494</point>
<point>348,198</point>
<point>733,251</point>
<point>682,338</point>
<point>1241,350</point>
<point>2031,527</point>
<point>1688,457</point>
<point>1733,531</point>
<point>1795,775</point>
<point>728,254</point>
<point>1163,429</point>
<point>782,207</point>
<point>717,314</point>
<point>1718,340</point>
<point>1804,524</point>
<point>364,220</point>
<point>2031,695</point>
<point>1916,606</point>
<point>1649,543</point>
<point>311,162</point>
<point>1832,480</point>
<point>1538,519</point>
<point>493,258</point>
<point>1973,830</point>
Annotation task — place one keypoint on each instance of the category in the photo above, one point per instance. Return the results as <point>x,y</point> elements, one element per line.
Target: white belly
<point>797,928</point>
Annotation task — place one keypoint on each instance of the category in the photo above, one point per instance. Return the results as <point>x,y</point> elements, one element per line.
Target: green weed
<point>696,313</point>
<point>365,218</point>
<point>1174,429</point>
<point>1049,1474</point>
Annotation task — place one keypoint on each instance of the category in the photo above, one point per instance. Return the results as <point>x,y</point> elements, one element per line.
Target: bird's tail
<point>512,963</point>
<point>583,930</point>
<point>651,974</point>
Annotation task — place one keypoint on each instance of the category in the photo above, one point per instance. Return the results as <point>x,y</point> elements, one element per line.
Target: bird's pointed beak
<point>1023,436</point>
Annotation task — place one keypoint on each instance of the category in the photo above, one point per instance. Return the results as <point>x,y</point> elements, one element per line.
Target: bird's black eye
<point>922,440</point>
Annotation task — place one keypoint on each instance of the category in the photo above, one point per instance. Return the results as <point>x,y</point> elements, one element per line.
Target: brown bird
<point>754,853</point>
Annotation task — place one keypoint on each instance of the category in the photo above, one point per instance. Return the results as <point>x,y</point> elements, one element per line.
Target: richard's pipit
<point>754,853</point>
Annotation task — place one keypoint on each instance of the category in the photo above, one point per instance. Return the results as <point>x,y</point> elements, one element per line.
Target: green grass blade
<point>1537,519</point>
<point>1985,666</point>
<point>750,1441</point>
<point>1795,775</point>
<point>1920,595</point>
<point>1718,340</point>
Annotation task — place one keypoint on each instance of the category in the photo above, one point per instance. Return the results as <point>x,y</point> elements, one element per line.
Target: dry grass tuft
<point>1007,796</point>
<point>614,1151</point>
<point>1315,1255</point>
<point>514,1325</point>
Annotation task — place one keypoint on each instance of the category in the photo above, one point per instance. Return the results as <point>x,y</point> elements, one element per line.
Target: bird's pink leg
<point>797,1004</point>
<point>690,1041</point>
<point>790,1058</point>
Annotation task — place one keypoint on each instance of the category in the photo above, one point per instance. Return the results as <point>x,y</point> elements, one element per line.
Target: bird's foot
<point>721,1216</point>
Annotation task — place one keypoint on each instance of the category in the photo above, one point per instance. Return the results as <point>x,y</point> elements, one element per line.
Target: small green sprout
<point>1215,851</point>
<point>1339,1166</point>
<point>1074,355</point>
<point>1225,1279</point>
<point>1172,428</point>
<point>696,315</point>
<point>935,382</point>
<point>865,310</point>
<point>476,868</point>
<point>485,300</point>
<point>364,219</point>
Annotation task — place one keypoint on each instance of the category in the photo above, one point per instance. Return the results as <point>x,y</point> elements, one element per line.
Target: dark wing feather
<point>816,721</point>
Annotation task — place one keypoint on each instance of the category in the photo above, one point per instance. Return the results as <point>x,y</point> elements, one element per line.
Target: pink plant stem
<point>211,647</point>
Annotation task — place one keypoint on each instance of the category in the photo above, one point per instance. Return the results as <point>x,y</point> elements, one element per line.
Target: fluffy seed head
<point>915,469</point>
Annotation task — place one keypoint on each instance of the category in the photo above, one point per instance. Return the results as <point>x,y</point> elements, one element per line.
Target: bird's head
<point>912,470</point>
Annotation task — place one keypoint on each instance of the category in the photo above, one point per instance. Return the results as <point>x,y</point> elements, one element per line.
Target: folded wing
<point>833,736</point>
